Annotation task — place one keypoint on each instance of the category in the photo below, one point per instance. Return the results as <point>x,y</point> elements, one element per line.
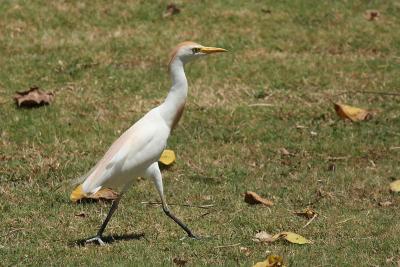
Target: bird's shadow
<point>109,239</point>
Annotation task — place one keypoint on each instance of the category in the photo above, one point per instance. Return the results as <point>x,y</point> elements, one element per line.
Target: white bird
<point>136,152</point>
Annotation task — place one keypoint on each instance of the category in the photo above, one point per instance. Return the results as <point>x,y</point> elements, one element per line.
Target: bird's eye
<point>195,50</point>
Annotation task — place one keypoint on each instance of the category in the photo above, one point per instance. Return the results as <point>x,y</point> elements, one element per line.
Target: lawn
<point>288,62</point>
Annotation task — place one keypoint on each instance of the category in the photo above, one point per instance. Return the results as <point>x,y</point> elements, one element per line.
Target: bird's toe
<point>96,239</point>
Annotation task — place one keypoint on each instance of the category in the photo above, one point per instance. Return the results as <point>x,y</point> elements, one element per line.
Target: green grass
<point>107,64</point>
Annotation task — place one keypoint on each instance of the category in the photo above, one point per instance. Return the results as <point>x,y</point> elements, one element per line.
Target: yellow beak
<point>210,50</point>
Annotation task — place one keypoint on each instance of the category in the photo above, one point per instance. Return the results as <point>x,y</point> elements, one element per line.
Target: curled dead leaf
<point>271,261</point>
<point>307,212</point>
<point>395,186</point>
<point>34,97</point>
<point>172,9</point>
<point>263,237</point>
<point>167,157</point>
<point>371,15</point>
<point>253,198</point>
<point>352,113</point>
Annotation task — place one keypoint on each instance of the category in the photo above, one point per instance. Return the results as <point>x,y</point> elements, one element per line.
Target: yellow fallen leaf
<point>395,186</point>
<point>253,198</point>
<point>271,261</point>
<point>293,238</point>
<point>167,157</point>
<point>289,236</point>
<point>352,113</point>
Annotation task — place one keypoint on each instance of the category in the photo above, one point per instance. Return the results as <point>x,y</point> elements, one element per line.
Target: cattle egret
<point>136,152</point>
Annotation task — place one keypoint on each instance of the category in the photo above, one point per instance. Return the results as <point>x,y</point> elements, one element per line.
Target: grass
<point>107,64</point>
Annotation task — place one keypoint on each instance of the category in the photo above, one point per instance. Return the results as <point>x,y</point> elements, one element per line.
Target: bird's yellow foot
<point>96,239</point>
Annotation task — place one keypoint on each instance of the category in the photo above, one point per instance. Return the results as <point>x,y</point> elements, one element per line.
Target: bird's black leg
<point>99,235</point>
<point>177,220</point>
<point>154,172</point>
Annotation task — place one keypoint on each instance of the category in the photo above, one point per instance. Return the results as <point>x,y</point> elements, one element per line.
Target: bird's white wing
<point>130,154</point>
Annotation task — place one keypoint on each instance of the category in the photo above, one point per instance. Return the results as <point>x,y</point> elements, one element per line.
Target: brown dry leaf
<point>179,261</point>
<point>263,237</point>
<point>352,113</point>
<point>253,198</point>
<point>34,97</point>
<point>104,194</point>
<point>167,157</point>
<point>272,261</point>
<point>395,186</point>
<point>371,15</point>
<point>292,238</point>
<point>307,212</point>
<point>172,9</point>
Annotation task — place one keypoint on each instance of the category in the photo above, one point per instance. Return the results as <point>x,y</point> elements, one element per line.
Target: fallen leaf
<point>307,212</point>
<point>385,203</point>
<point>103,194</point>
<point>263,237</point>
<point>352,113</point>
<point>180,261</point>
<point>271,261</point>
<point>395,186</point>
<point>253,198</point>
<point>167,157</point>
<point>292,238</point>
<point>372,15</point>
<point>34,97</point>
<point>245,251</point>
<point>172,9</point>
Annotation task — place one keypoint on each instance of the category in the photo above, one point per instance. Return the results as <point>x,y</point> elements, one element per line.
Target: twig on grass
<point>369,92</point>
<point>260,105</point>
<point>345,221</point>
<point>337,158</point>
<point>310,221</point>
<point>183,205</point>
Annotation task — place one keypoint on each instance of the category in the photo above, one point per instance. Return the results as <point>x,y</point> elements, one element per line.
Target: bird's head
<point>187,51</point>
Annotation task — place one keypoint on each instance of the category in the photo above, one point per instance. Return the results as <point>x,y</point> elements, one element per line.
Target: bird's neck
<point>173,106</point>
